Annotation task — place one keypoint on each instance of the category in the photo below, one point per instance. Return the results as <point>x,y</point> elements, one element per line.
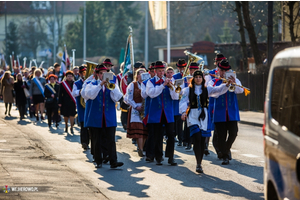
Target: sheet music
<point>145,76</point>
<point>108,75</point>
<point>230,73</point>
<point>178,82</point>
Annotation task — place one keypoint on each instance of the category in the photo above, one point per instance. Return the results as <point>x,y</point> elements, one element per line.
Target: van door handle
<point>298,167</point>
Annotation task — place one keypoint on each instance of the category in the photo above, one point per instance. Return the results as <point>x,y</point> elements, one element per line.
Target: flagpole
<point>168,34</point>
<point>54,34</point>
<point>84,30</point>
<point>73,50</point>
<point>146,34</point>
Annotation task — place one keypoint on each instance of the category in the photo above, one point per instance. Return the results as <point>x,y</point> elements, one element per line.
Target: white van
<point>282,127</point>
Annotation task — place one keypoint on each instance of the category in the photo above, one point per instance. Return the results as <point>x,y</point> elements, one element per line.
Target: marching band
<point>155,103</point>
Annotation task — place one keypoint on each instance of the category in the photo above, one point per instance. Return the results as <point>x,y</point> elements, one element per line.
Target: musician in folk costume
<point>76,92</point>
<point>181,64</point>
<point>219,57</point>
<point>101,117</point>
<point>226,111</point>
<point>151,70</point>
<point>51,95</point>
<point>160,114</point>
<point>193,109</point>
<point>37,93</point>
<point>67,102</point>
<point>136,129</point>
<point>186,134</point>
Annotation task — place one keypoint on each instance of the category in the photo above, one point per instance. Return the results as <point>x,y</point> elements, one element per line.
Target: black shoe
<point>179,144</point>
<point>172,162</point>
<point>71,129</point>
<point>206,152</point>
<point>149,159</point>
<point>106,159</point>
<point>158,162</point>
<point>84,146</point>
<point>56,125</point>
<point>98,165</point>
<point>225,161</point>
<point>199,169</point>
<point>116,164</point>
<point>140,152</point>
<point>188,147</point>
<point>66,130</point>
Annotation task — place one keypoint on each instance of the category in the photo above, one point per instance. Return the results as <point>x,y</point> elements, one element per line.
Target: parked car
<point>281,128</point>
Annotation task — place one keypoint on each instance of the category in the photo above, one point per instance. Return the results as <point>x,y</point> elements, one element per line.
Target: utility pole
<point>168,33</point>
<point>84,31</point>
<point>270,32</point>
<point>54,33</point>
<point>146,34</point>
<point>6,48</point>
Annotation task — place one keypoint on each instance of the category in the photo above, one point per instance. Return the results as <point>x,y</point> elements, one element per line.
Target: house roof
<point>40,7</point>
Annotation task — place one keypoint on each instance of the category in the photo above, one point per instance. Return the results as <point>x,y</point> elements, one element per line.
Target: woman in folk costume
<point>66,101</point>
<point>135,126</point>
<point>7,86</point>
<point>193,107</point>
<point>37,93</point>
<point>51,95</point>
<point>21,99</point>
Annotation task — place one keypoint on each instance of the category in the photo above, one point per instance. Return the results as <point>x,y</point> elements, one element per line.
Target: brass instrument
<point>191,58</point>
<point>89,71</point>
<point>177,87</point>
<point>232,86</point>
<point>110,86</point>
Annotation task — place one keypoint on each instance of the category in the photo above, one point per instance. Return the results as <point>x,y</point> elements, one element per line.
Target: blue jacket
<point>159,104</point>
<point>80,109</point>
<point>95,110</point>
<point>226,107</point>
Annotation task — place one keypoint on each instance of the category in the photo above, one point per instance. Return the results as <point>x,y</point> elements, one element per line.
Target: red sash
<point>68,89</point>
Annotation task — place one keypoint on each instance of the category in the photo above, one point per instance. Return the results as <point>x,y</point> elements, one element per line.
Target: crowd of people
<point>153,107</point>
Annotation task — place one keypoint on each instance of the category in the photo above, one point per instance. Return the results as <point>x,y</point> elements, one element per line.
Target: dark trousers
<point>104,138</point>
<point>199,146</point>
<point>50,111</point>
<point>155,139</point>
<point>215,141</point>
<point>84,134</point>
<point>124,117</point>
<point>21,108</point>
<point>178,127</point>
<point>229,128</point>
<point>186,134</point>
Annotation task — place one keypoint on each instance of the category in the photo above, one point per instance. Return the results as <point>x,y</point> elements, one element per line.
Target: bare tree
<point>251,33</point>
<point>291,9</point>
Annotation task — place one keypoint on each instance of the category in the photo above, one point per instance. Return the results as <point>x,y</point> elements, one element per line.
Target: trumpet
<point>177,87</point>
<point>110,86</point>
<point>232,86</point>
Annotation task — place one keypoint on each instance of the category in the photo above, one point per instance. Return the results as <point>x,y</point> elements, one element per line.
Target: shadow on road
<point>122,179</point>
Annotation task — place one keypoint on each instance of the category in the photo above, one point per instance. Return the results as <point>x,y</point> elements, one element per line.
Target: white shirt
<point>216,91</point>
<point>153,92</point>
<point>135,115</point>
<point>91,91</point>
<point>76,91</point>
<point>194,114</point>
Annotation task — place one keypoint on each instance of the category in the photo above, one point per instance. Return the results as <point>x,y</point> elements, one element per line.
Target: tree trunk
<point>242,33</point>
<point>291,19</point>
<point>252,35</point>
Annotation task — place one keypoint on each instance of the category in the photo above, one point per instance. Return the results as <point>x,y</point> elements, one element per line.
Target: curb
<point>251,123</point>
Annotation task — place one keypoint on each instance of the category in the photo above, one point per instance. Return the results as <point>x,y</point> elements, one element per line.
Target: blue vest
<point>159,104</point>
<point>211,106</point>
<point>80,109</point>
<point>186,84</point>
<point>227,101</point>
<point>147,101</point>
<point>95,111</point>
<point>176,102</point>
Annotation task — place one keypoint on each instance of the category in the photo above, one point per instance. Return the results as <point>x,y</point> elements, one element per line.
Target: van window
<point>285,102</point>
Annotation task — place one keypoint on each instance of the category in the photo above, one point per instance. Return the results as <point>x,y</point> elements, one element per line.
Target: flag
<point>246,92</point>
<point>65,62</point>
<point>129,57</point>
<point>158,12</point>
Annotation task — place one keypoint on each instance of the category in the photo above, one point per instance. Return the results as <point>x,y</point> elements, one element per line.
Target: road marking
<point>250,155</point>
<point>2,140</point>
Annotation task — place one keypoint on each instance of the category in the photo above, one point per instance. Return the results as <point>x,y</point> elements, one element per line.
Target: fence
<point>257,84</point>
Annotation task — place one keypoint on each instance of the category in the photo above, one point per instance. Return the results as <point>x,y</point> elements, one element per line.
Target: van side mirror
<point>298,167</point>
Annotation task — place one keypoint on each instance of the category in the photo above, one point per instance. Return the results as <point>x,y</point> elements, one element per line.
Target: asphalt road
<point>24,145</point>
